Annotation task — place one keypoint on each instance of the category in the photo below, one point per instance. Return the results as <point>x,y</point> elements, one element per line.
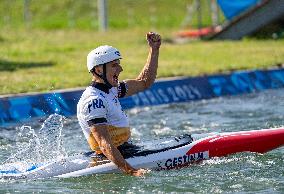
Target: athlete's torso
<point>100,105</point>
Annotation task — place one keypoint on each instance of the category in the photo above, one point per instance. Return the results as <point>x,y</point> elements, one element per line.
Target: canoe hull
<point>202,146</point>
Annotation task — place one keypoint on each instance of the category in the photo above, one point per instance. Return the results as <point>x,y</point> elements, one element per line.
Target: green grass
<point>50,53</point>
<point>82,14</point>
<point>41,60</point>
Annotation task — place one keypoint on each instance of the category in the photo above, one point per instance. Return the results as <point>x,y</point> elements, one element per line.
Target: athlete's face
<point>113,70</point>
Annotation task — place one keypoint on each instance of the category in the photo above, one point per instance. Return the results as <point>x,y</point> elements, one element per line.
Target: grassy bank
<point>74,14</point>
<point>48,50</point>
<point>39,60</point>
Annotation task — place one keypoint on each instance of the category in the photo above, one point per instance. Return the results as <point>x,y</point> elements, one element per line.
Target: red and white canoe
<point>177,153</point>
<point>223,144</point>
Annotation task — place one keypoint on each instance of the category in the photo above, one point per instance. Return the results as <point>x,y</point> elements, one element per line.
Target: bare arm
<point>148,74</point>
<point>102,136</point>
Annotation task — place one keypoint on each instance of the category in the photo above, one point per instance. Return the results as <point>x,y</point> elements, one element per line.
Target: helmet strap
<point>104,77</point>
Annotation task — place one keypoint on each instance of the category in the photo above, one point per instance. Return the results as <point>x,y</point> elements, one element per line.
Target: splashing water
<point>50,138</point>
<point>34,148</point>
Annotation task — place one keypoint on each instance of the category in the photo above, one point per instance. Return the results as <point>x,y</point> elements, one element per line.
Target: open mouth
<point>115,78</point>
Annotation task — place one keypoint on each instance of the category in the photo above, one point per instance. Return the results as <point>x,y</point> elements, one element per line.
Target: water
<point>57,137</point>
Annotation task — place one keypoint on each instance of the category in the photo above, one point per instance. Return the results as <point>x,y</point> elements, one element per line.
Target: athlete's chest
<point>112,101</point>
<point>114,109</point>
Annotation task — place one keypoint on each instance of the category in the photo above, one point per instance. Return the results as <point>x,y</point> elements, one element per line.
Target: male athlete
<point>99,112</point>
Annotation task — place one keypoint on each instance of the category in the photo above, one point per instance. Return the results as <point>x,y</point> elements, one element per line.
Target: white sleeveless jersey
<point>100,105</point>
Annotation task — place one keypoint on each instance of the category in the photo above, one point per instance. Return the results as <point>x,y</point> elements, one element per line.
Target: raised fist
<point>154,39</point>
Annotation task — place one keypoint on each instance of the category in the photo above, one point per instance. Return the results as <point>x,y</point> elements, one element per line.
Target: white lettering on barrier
<point>143,98</point>
<point>195,91</point>
<point>151,97</point>
<point>180,92</point>
<point>172,93</point>
<point>160,100</point>
<point>135,99</point>
<point>159,96</point>
<point>163,95</point>
<point>188,91</point>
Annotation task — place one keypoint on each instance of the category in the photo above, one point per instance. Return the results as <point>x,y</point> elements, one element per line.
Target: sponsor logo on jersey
<point>115,99</point>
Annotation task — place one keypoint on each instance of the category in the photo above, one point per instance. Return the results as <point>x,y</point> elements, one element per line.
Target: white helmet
<point>102,55</point>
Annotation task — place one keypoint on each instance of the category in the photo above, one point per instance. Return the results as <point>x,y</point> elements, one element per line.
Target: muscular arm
<point>102,136</point>
<point>148,74</point>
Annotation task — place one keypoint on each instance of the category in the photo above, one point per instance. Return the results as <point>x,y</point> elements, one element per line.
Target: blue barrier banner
<point>232,8</point>
<point>23,108</point>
